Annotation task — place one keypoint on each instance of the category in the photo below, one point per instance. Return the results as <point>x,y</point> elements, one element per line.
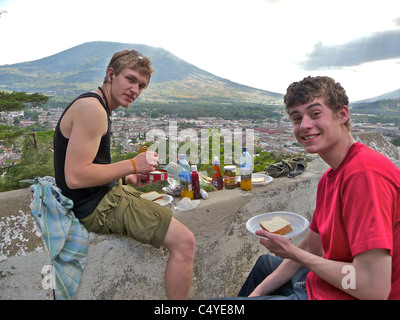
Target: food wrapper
<point>172,169</point>
<point>206,182</point>
<point>173,188</point>
<point>186,204</point>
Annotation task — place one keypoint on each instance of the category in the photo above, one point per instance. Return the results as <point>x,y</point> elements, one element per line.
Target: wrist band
<point>134,165</point>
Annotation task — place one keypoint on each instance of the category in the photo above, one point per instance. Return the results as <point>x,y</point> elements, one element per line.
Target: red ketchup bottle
<point>195,182</point>
<point>217,181</point>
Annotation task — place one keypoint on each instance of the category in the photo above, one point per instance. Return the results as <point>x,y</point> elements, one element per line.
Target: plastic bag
<point>186,204</point>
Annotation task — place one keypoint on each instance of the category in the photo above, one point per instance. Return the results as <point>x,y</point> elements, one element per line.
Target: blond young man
<point>85,174</point>
<point>352,249</point>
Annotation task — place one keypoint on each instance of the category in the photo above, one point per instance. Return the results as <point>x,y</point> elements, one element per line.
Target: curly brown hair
<point>310,88</point>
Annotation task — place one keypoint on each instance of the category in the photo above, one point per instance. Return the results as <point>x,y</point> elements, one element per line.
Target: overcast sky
<point>266,44</point>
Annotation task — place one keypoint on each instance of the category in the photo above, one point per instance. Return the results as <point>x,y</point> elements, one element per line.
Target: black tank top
<point>85,199</point>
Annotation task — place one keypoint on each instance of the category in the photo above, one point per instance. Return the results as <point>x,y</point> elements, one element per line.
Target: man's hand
<point>146,161</point>
<point>279,245</point>
<point>136,180</point>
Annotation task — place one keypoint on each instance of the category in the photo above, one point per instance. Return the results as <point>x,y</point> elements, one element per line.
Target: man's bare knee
<point>186,247</point>
<point>180,240</point>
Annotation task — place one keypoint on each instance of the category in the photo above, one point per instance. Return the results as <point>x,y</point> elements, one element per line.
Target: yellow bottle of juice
<point>246,169</point>
<point>184,177</point>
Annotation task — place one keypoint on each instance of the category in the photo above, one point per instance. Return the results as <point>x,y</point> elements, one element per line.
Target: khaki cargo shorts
<point>122,211</point>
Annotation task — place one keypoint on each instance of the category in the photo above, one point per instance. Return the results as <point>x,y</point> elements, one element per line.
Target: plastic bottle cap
<point>182,156</point>
<point>194,168</point>
<point>245,149</point>
<point>216,161</point>
<point>231,167</point>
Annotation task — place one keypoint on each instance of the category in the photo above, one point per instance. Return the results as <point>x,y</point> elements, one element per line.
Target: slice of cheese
<point>152,196</point>
<point>276,225</point>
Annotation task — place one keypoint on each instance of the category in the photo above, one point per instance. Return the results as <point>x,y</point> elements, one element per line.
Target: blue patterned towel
<point>65,237</point>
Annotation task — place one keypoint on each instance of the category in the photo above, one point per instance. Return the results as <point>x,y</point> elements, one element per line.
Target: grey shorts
<point>122,211</point>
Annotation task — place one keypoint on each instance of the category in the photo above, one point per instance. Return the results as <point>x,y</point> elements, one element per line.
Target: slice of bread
<point>276,225</point>
<point>152,196</point>
<point>258,179</point>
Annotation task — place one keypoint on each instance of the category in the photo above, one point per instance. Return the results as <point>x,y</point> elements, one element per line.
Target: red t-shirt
<point>357,210</point>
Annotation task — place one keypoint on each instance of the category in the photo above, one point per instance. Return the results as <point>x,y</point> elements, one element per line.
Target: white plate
<point>298,222</point>
<point>267,179</point>
<point>165,200</point>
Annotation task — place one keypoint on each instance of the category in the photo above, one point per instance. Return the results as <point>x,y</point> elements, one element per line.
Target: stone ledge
<point>121,268</point>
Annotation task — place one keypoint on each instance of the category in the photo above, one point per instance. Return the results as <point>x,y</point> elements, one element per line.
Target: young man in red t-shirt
<point>352,249</point>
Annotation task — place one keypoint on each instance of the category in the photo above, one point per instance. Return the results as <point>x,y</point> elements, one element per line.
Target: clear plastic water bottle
<point>246,169</point>
<point>184,177</point>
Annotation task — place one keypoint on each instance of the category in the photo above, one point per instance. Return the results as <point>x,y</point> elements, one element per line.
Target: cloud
<point>274,1</point>
<point>377,46</point>
<point>397,21</point>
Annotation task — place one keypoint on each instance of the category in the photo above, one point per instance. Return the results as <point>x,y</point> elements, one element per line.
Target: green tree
<point>36,161</point>
<point>37,157</point>
<point>8,135</point>
<point>19,100</point>
<point>396,141</point>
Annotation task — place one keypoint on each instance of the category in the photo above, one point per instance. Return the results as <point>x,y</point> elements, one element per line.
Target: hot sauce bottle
<point>218,183</point>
